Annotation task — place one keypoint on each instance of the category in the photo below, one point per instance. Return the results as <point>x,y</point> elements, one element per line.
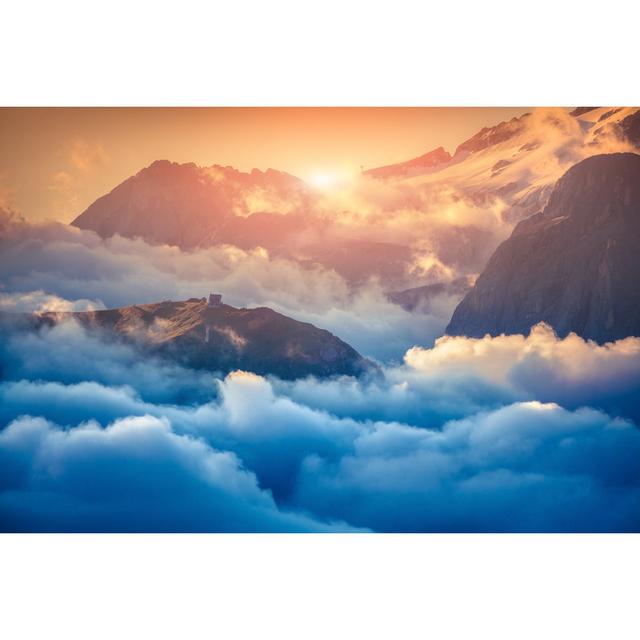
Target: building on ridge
<point>215,300</point>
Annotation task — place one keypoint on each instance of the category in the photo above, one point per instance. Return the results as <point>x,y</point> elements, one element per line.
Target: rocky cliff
<point>575,265</point>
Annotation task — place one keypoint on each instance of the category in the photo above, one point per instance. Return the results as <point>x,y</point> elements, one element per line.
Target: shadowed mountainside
<point>420,297</point>
<point>258,340</point>
<point>575,265</point>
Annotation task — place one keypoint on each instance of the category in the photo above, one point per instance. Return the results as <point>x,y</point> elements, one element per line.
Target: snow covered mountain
<point>516,163</point>
<point>432,219</point>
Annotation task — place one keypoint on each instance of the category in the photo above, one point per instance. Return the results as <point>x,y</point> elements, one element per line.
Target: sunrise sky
<point>55,162</point>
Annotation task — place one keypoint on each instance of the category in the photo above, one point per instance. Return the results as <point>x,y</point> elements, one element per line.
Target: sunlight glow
<point>322,181</point>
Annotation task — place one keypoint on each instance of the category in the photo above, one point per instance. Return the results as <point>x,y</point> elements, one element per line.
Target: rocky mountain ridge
<point>446,211</point>
<point>218,338</point>
<point>575,265</point>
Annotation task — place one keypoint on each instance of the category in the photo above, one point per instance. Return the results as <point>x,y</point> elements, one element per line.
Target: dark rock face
<point>576,265</point>
<point>630,128</point>
<point>578,111</point>
<point>218,339</point>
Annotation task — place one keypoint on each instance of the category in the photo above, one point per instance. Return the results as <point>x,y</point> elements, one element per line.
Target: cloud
<point>133,475</point>
<point>572,371</point>
<point>67,353</point>
<point>449,231</point>
<point>39,301</point>
<point>459,377</point>
<point>86,156</point>
<point>72,403</point>
<point>71,264</point>
<point>526,466</point>
<point>61,182</point>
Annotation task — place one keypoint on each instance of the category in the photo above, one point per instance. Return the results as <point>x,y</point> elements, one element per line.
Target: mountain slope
<point>512,166</point>
<point>576,265</point>
<point>420,297</point>
<point>186,205</point>
<point>258,340</point>
<point>431,161</point>
<point>428,219</point>
<point>192,207</point>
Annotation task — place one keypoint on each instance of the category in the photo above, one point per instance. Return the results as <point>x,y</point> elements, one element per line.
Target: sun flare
<point>322,180</point>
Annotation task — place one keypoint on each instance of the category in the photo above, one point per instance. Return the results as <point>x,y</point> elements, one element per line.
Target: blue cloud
<point>526,466</point>
<point>134,475</point>
<point>511,433</point>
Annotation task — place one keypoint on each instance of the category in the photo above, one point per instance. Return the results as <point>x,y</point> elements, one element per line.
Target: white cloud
<point>571,371</point>
<point>68,264</point>
<point>39,301</point>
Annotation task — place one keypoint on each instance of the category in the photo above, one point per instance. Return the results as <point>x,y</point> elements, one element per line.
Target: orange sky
<point>55,162</point>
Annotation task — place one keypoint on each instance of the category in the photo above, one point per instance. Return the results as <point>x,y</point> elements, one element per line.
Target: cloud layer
<point>44,265</point>
<point>133,475</point>
<point>498,434</point>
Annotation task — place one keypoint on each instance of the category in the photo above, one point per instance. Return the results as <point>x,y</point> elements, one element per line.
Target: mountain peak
<point>574,266</point>
<point>182,203</point>
<point>218,338</point>
<point>434,159</point>
<point>490,136</point>
<point>166,167</point>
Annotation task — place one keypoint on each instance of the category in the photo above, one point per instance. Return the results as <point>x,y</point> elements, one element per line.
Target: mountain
<point>434,217</point>
<point>492,136</point>
<point>575,265</point>
<point>421,297</point>
<point>190,207</point>
<point>435,159</point>
<point>186,205</point>
<point>629,128</point>
<point>258,340</point>
<point>510,168</point>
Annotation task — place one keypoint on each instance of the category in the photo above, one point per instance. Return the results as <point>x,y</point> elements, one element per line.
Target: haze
<point>55,162</point>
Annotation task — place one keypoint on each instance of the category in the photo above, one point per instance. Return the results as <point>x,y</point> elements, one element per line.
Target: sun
<point>322,180</point>
<point>330,178</point>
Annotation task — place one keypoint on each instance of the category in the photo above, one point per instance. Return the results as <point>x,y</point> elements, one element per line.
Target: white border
<point>329,52</point>
<point>315,586</point>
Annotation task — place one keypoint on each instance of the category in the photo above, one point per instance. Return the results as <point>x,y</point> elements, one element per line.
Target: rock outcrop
<point>575,265</point>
